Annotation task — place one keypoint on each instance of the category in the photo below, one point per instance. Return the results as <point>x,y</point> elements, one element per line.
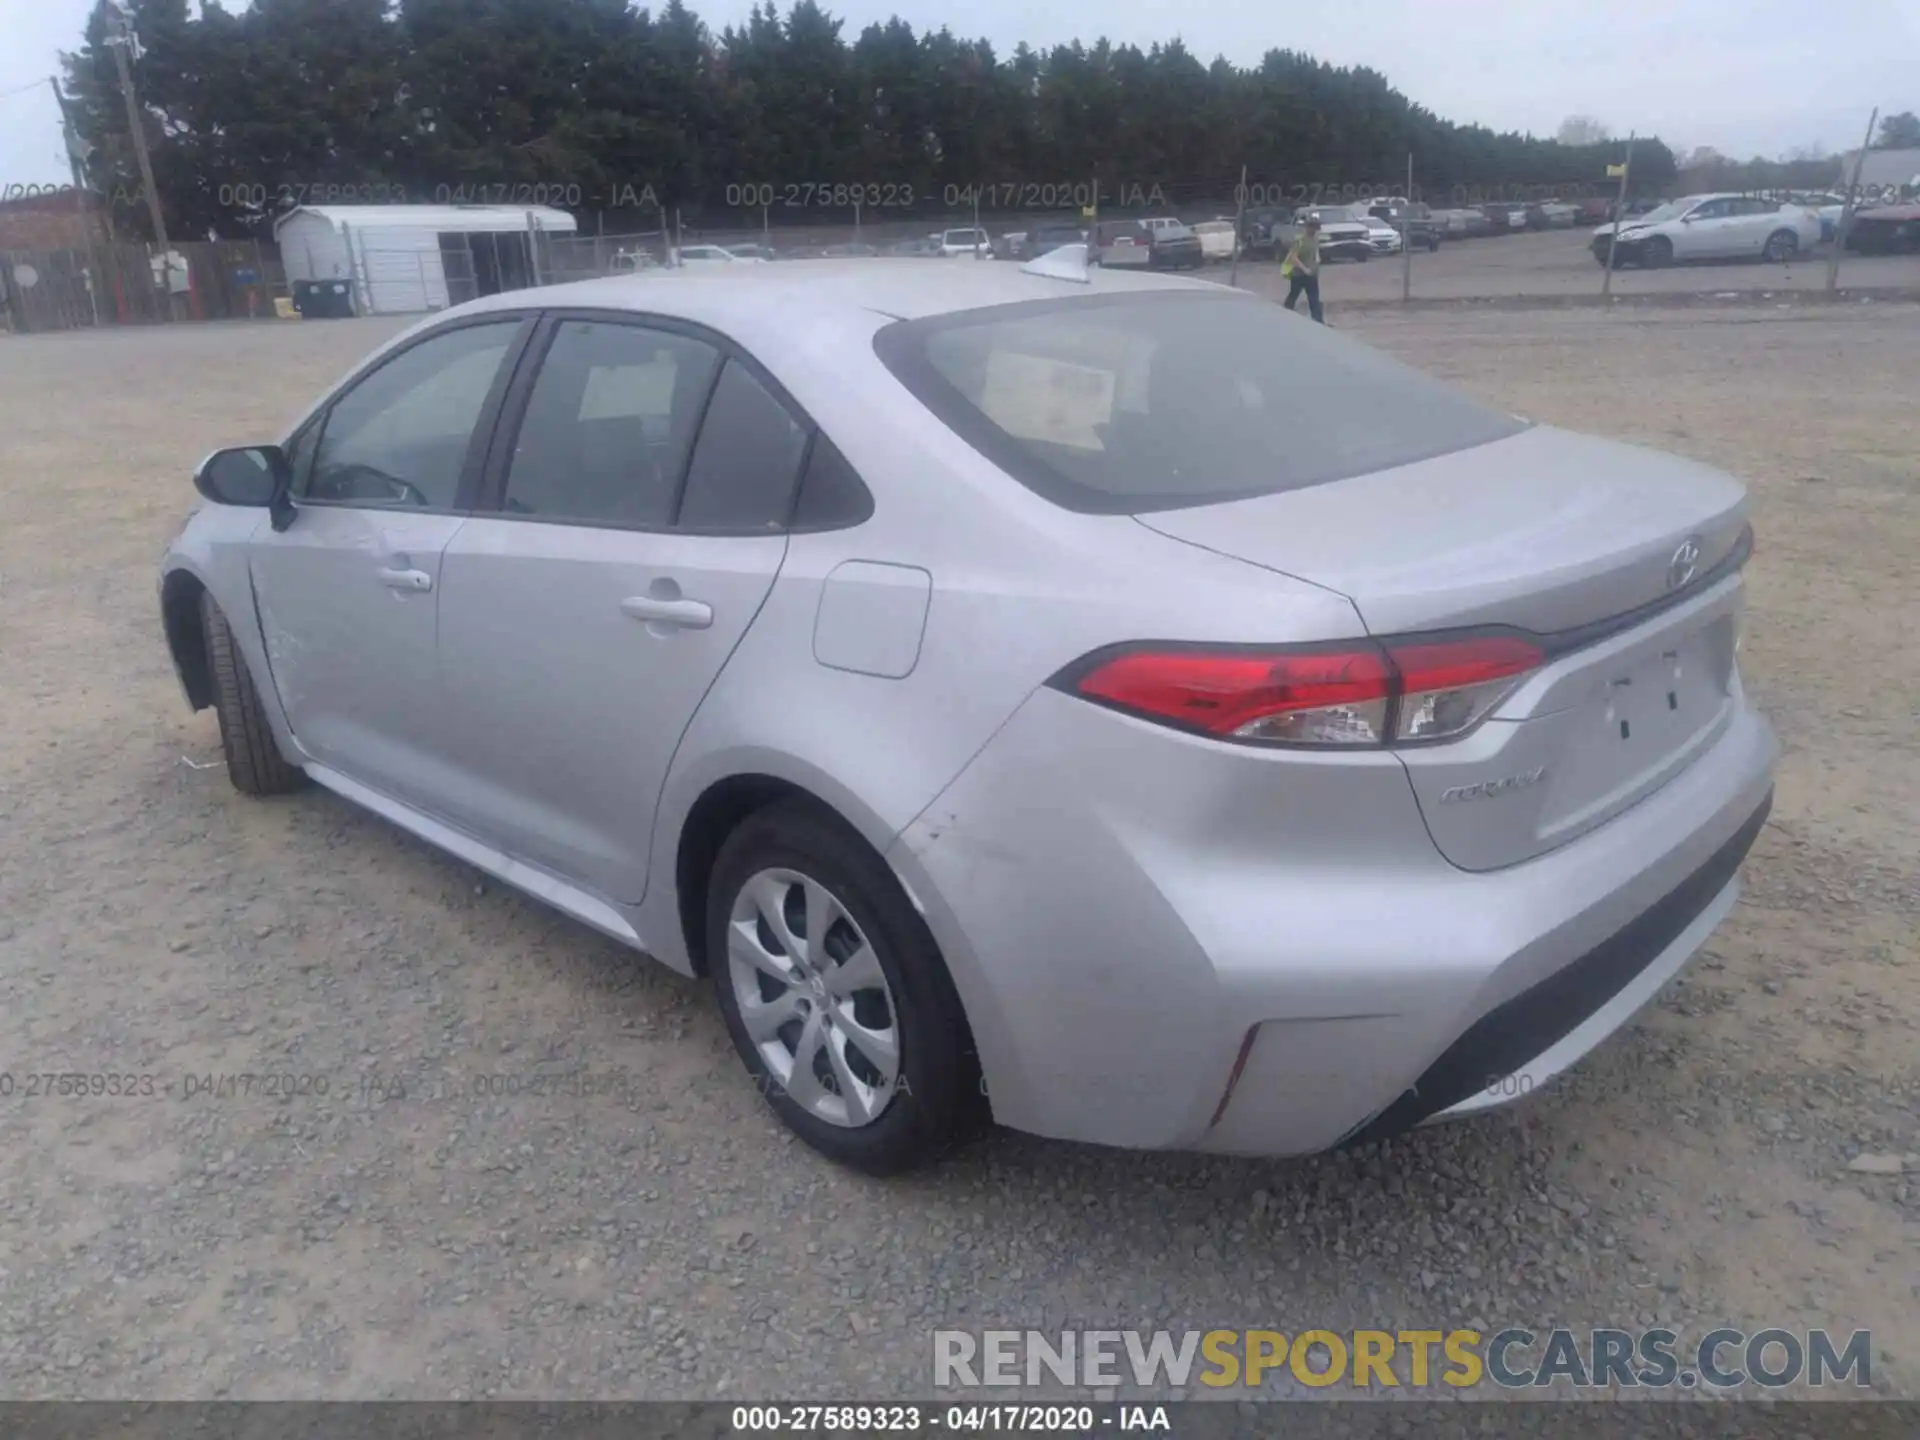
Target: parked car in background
<point>753,252</point>
<point>1266,230</point>
<point>1826,207</point>
<point>1466,222</point>
<point>1382,237</point>
<point>966,241</point>
<point>713,255</point>
<point>1218,240</point>
<point>1386,239</point>
<point>1343,236</point>
<point>1175,246</point>
<point>1121,244</point>
<point>1417,225</point>
<point>1045,239</point>
<point>1505,219</point>
<point>1558,215</point>
<point>1710,227</point>
<point>1040,240</point>
<point>1885,230</point>
<point>1594,209</point>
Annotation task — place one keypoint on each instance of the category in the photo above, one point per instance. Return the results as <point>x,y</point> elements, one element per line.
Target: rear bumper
<point>1524,1042</point>
<point>1162,946</point>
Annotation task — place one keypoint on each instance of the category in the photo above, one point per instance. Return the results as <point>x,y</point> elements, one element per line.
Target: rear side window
<point>605,436</point>
<point>747,461</point>
<point>831,491</point>
<point>1131,403</point>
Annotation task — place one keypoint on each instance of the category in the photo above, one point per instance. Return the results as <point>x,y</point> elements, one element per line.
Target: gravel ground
<point>400,1236</point>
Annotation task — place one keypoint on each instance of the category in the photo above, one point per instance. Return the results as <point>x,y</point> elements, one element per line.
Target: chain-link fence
<point>1245,233</point>
<point>127,284</point>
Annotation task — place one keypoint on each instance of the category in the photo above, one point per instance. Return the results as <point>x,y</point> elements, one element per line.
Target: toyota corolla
<point>1103,703</point>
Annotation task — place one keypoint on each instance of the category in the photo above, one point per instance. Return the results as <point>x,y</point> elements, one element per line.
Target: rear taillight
<point>1365,693</point>
<point>1447,687</point>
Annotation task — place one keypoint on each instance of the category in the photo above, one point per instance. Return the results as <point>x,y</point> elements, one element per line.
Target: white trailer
<point>408,259</point>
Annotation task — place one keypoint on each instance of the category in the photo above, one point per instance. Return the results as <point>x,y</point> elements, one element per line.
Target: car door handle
<point>398,579</point>
<point>687,614</point>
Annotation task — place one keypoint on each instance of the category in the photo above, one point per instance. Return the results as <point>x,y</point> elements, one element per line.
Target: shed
<point>405,259</point>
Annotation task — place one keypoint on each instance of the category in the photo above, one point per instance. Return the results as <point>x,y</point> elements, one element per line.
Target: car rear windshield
<point>1119,404</point>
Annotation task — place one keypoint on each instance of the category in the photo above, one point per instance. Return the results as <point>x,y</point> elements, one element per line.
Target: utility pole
<point>119,42</point>
<point>1406,237</point>
<point>1846,206</point>
<point>1239,229</point>
<point>1619,210</point>
<point>96,272</point>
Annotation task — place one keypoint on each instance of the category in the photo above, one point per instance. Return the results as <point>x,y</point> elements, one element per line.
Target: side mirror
<point>249,475</point>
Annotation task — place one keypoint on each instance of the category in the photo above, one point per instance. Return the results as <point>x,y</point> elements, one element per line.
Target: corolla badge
<point>1487,788</point>
<point>1685,563</point>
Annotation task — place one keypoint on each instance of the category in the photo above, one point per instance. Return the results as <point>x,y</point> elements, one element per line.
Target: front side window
<point>1130,403</point>
<point>608,426</point>
<point>300,451</point>
<point>399,437</point>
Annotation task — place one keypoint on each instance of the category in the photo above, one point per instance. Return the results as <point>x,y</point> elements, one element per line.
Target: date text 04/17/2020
<point>965,1419</point>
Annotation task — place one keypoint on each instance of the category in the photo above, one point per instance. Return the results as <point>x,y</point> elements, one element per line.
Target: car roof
<point>766,300</point>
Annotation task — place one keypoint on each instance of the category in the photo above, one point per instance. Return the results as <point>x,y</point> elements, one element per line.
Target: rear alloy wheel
<point>1657,252</point>
<point>1781,247</point>
<point>835,995</point>
<point>254,762</point>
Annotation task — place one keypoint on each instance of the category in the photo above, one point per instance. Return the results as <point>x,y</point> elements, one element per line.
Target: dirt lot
<point>664,1239</point>
<point>1556,263</point>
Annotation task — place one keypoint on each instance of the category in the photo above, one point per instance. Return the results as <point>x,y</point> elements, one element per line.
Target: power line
<point>20,89</point>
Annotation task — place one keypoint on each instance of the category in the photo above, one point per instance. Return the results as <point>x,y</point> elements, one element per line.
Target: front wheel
<point>1657,252</point>
<point>835,994</point>
<point>254,762</point>
<point>1781,246</point>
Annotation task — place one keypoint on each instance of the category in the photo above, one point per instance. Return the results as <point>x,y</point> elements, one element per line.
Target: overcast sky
<point>1745,76</point>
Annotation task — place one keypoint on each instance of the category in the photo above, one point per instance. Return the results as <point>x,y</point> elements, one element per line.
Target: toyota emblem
<point>1686,560</point>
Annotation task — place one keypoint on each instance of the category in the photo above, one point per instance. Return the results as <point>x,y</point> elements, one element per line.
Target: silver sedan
<point>1113,707</point>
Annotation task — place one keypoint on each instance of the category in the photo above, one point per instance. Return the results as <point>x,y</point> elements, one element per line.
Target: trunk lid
<point>1607,550</point>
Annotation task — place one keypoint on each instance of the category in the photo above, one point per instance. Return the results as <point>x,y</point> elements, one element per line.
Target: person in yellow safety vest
<point>1302,269</point>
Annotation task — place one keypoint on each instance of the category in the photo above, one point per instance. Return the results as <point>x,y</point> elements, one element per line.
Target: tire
<point>1656,253</point>
<point>1781,247</point>
<point>254,762</point>
<point>784,856</point>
